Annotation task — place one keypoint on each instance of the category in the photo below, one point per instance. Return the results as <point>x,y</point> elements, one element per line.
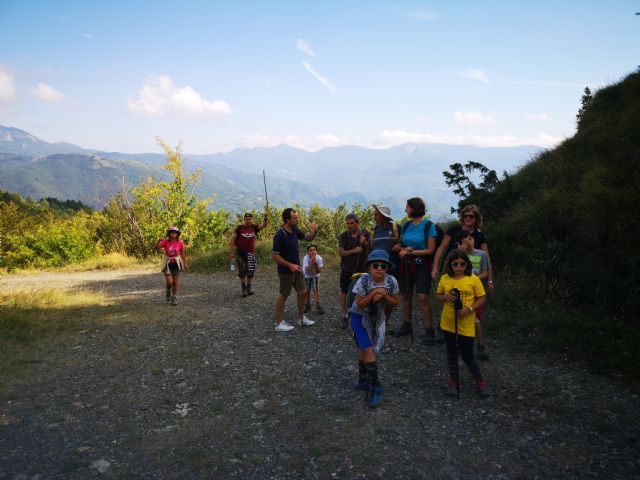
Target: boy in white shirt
<point>312,265</point>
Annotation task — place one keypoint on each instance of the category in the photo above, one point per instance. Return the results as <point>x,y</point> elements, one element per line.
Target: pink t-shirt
<point>172,248</point>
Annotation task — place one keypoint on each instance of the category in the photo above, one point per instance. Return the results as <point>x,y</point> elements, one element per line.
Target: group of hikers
<point>377,265</point>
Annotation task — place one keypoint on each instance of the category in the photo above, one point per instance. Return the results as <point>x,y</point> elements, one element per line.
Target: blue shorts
<point>311,283</point>
<point>360,335</point>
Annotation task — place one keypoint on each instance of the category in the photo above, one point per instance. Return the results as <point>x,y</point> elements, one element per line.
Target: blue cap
<point>378,256</point>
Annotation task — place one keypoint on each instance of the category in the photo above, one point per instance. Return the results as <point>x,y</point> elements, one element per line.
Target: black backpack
<point>427,227</point>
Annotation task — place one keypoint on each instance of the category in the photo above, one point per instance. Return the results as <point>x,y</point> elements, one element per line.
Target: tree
<point>461,178</point>
<point>585,102</point>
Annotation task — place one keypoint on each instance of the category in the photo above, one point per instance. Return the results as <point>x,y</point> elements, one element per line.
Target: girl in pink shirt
<point>174,261</point>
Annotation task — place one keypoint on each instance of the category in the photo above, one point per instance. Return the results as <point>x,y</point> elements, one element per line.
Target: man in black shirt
<point>353,248</point>
<point>286,254</point>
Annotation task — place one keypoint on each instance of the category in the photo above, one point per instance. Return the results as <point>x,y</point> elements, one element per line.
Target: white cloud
<point>324,81</point>
<point>304,47</point>
<point>47,93</point>
<point>389,138</point>
<point>474,119</point>
<point>476,74</point>
<point>7,86</point>
<point>159,96</point>
<point>541,117</point>
<point>89,36</point>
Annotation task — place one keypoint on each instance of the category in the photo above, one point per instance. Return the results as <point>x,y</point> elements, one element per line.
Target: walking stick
<point>457,305</point>
<point>264,180</point>
<point>409,297</point>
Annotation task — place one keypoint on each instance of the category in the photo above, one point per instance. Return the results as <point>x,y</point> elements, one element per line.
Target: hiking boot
<point>167,296</point>
<point>319,309</point>
<point>249,291</point>
<point>363,384</point>
<point>174,300</point>
<point>307,307</point>
<point>482,389</point>
<point>429,336</point>
<point>375,396</point>
<point>482,354</point>
<point>405,329</point>
<point>344,321</point>
<point>244,290</point>
<point>306,321</point>
<point>452,391</point>
<point>284,327</point>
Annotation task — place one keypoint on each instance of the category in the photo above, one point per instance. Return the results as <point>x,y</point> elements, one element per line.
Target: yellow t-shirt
<point>470,289</point>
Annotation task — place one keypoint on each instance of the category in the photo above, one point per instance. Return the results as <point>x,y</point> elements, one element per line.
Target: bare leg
<point>427,321</point>
<point>280,300</point>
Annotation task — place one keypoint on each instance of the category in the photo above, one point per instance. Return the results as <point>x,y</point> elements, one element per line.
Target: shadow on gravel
<point>207,389</point>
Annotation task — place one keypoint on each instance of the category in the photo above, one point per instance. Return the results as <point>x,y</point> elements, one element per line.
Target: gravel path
<point>207,389</point>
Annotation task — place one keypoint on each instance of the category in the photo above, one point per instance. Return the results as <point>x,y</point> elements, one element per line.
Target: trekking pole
<point>409,297</point>
<point>456,306</point>
<point>264,180</point>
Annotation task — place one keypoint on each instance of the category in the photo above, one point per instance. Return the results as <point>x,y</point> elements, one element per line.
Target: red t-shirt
<point>246,238</point>
<point>172,248</point>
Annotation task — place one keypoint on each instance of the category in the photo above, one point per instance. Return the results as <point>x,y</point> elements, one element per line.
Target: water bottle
<point>233,265</point>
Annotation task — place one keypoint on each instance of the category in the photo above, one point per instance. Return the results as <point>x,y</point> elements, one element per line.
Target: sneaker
<point>375,396</point>
<point>405,329</point>
<point>307,307</point>
<point>429,336</point>
<point>452,391</point>
<point>482,389</point>
<point>363,384</point>
<point>344,321</point>
<point>284,327</point>
<point>319,310</point>
<point>174,300</point>
<point>249,291</point>
<point>306,321</point>
<point>482,354</point>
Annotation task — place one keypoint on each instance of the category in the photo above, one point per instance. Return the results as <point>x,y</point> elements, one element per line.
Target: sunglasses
<point>379,266</point>
<point>458,264</point>
<point>469,215</point>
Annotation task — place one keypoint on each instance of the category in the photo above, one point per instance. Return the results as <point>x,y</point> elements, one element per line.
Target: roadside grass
<point>110,261</point>
<point>32,314</point>
<point>546,322</point>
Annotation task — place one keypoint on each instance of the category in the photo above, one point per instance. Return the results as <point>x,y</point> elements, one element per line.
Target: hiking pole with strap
<point>407,262</point>
<point>457,305</point>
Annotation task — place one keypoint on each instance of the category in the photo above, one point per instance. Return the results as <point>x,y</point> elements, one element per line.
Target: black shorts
<point>345,280</point>
<point>420,278</point>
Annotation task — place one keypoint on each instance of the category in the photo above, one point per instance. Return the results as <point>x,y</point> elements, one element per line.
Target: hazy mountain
<point>331,176</point>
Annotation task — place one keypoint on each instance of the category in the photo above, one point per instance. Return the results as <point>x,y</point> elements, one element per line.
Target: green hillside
<point>563,231</point>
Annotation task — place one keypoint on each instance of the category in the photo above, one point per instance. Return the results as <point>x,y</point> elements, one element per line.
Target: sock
<point>372,373</point>
<point>362,371</point>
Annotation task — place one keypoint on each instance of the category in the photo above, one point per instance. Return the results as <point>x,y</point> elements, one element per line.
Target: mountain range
<point>328,177</point>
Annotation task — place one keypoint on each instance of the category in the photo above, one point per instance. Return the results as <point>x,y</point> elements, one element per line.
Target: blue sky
<point>221,75</point>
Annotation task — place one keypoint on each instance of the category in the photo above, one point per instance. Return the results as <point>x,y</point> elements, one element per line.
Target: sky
<point>217,75</point>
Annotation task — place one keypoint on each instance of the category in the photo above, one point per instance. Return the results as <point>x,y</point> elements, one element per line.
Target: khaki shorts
<point>288,280</point>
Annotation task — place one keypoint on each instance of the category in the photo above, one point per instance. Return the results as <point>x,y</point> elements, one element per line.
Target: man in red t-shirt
<point>243,248</point>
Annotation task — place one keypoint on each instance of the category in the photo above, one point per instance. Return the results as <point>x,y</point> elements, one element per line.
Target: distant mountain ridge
<point>31,166</point>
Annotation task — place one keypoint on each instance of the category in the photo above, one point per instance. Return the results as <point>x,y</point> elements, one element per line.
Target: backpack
<point>427,227</point>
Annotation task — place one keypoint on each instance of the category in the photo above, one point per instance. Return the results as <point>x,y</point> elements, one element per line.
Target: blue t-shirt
<point>383,238</point>
<point>285,244</point>
<point>413,236</point>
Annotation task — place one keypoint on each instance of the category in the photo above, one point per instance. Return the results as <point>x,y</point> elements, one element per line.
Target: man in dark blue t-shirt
<point>286,254</point>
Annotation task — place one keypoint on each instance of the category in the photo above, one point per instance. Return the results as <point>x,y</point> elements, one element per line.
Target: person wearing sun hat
<point>373,291</point>
<point>174,261</point>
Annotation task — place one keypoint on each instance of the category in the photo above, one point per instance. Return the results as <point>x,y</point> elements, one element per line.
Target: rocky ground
<point>207,389</point>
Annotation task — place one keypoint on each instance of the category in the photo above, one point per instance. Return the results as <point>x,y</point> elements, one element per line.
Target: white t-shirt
<point>305,264</point>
